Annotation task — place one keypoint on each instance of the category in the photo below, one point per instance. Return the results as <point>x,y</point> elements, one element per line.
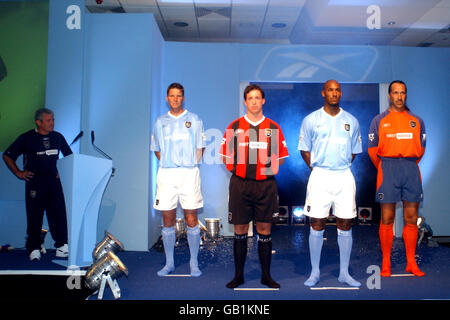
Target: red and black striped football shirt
<point>253,150</point>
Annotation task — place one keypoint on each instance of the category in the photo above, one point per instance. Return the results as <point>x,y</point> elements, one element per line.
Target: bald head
<point>329,82</point>
<point>331,93</point>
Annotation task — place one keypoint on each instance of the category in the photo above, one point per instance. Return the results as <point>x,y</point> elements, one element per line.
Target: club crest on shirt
<point>308,208</point>
<point>46,144</point>
<point>187,124</point>
<point>33,194</point>
<point>412,124</point>
<point>371,136</point>
<point>380,195</point>
<point>347,127</point>
<point>268,132</point>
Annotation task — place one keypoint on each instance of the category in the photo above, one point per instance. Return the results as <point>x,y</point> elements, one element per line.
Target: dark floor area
<point>290,267</point>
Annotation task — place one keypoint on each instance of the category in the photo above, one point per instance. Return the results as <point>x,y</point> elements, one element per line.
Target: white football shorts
<point>178,184</point>
<point>328,188</point>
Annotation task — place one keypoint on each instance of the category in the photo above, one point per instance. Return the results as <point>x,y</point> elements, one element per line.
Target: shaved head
<point>329,82</point>
<point>331,93</point>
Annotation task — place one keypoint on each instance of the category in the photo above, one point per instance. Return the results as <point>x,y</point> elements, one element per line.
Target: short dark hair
<point>252,87</point>
<point>38,115</point>
<point>175,85</point>
<point>397,81</point>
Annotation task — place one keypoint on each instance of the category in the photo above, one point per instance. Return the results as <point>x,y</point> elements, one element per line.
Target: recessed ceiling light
<point>391,23</point>
<point>279,25</point>
<point>180,24</point>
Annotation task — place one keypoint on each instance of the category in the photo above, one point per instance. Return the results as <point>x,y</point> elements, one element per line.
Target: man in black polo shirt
<point>43,191</point>
<point>252,149</point>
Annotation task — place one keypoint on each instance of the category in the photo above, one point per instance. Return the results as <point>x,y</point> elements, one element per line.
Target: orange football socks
<point>410,232</point>
<point>386,233</point>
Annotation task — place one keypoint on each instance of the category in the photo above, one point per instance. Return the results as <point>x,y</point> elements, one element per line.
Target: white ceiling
<point>423,23</point>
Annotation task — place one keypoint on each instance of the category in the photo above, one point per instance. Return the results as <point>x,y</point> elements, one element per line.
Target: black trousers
<point>44,193</point>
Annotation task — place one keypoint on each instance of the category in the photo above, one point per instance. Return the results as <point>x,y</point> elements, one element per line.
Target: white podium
<point>84,179</point>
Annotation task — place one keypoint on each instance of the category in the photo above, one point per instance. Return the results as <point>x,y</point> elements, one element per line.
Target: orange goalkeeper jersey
<point>396,135</point>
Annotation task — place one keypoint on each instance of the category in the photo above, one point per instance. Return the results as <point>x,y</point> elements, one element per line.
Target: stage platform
<point>290,267</point>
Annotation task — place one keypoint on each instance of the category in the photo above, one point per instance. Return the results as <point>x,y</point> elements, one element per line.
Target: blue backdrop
<point>288,103</point>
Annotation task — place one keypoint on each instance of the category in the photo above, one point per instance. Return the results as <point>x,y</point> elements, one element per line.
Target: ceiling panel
<point>247,18</point>
<point>179,13</point>
<point>213,18</point>
<point>403,22</point>
<point>284,12</point>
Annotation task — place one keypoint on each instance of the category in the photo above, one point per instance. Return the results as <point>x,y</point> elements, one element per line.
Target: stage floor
<point>290,267</point>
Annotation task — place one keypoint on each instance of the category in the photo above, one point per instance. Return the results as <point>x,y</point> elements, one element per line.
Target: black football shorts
<point>252,200</point>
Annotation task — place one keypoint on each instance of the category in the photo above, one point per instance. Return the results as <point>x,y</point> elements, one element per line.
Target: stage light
<point>297,211</point>
<point>420,221</point>
<point>213,227</point>
<point>180,228</point>
<point>109,243</point>
<point>107,267</point>
<point>106,270</point>
<point>298,216</point>
<point>282,216</point>
<point>364,215</point>
<point>421,229</point>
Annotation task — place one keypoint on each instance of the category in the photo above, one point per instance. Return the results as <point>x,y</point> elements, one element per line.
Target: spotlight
<point>282,216</point>
<point>364,215</point>
<point>106,270</point>
<point>180,228</point>
<point>298,216</point>
<point>420,221</point>
<point>109,243</point>
<point>422,229</point>
<point>213,228</point>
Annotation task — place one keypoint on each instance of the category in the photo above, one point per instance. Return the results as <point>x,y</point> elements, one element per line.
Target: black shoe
<point>236,282</point>
<point>268,281</point>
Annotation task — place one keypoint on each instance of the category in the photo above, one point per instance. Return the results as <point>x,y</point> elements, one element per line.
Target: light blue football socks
<point>315,249</point>
<point>168,237</point>
<point>193,236</point>
<point>345,241</point>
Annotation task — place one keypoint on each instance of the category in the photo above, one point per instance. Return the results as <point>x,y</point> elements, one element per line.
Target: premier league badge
<point>187,124</point>
<point>347,127</point>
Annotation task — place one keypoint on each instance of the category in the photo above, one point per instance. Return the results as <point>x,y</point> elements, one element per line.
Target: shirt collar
<point>254,123</point>
<point>179,116</point>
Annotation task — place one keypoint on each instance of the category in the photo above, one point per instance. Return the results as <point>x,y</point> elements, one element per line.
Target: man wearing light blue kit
<point>178,142</point>
<point>329,139</point>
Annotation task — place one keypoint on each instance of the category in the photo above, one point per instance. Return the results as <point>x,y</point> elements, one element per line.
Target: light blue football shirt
<point>177,139</point>
<point>330,140</point>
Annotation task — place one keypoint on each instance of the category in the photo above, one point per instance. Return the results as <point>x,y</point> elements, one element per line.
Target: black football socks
<point>240,253</point>
<point>265,257</point>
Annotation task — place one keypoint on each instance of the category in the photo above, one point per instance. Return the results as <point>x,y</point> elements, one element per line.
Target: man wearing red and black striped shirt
<point>252,149</point>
